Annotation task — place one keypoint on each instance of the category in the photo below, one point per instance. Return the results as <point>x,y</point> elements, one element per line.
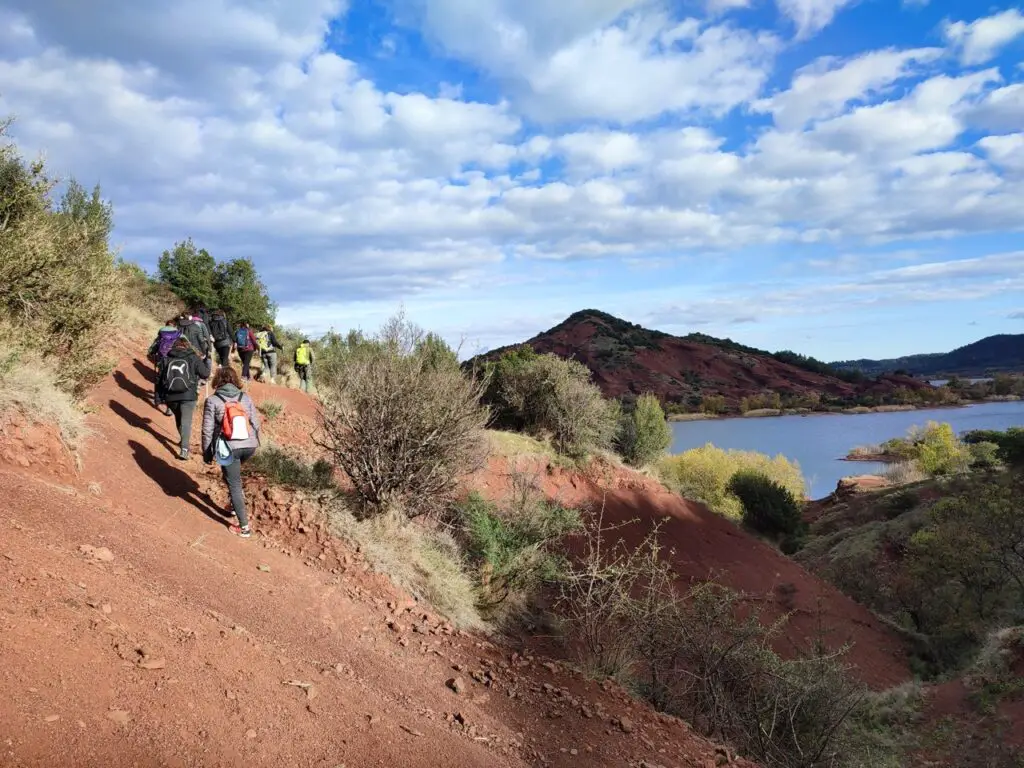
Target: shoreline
<point>863,410</point>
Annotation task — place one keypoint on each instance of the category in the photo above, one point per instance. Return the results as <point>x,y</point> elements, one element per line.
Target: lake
<point>819,441</point>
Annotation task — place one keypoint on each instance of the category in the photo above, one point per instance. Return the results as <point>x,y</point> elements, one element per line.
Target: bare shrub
<point>904,473</point>
<point>403,422</point>
<point>702,654</point>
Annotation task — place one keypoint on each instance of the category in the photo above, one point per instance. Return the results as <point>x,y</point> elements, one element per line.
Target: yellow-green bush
<point>704,474</point>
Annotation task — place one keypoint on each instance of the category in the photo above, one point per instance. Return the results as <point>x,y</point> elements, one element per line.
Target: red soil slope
<point>135,631</point>
<point>706,545</point>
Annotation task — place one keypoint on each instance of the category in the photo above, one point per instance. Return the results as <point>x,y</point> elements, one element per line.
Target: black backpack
<point>177,378</point>
<point>219,328</point>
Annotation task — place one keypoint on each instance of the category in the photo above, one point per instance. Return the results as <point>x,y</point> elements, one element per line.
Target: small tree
<point>404,423</point>
<point>241,293</point>
<point>189,271</point>
<point>644,435</point>
<point>768,507</point>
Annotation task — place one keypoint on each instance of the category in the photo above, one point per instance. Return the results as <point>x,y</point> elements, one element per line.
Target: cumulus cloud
<point>617,60</point>
<point>980,41</point>
<point>811,16</point>
<point>824,88</point>
<point>263,141</point>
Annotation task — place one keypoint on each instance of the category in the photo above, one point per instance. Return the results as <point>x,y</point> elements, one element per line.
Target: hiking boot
<point>241,531</point>
<point>183,454</point>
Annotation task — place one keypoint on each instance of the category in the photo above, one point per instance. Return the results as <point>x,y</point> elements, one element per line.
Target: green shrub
<point>513,548</point>
<point>544,394</point>
<point>900,502</point>
<point>59,283</point>
<point>768,507</point>
<point>644,434</point>
<point>934,448</point>
<point>271,409</point>
<point>283,468</point>
<point>402,423</point>
<point>704,474</point>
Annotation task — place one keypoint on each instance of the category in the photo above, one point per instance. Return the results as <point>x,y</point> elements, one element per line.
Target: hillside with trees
<point>1003,353</point>
<point>701,373</point>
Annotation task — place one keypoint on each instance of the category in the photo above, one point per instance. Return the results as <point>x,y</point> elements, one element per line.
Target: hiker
<point>245,343</point>
<point>165,339</point>
<point>268,344</point>
<point>304,364</point>
<point>177,387</point>
<point>196,333</point>
<point>231,435</point>
<point>223,337</point>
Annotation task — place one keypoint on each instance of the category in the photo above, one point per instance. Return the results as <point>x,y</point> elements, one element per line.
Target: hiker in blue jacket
<point>177,386</point>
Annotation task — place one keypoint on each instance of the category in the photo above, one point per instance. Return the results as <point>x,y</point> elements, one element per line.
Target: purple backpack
<point>167,339</point>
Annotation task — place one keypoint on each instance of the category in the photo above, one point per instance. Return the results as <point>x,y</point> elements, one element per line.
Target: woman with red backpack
<point>231,435</point>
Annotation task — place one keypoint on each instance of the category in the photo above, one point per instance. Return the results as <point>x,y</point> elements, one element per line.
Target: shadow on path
<point>132,388</point>
<point>147,370</point>
<point>141,422</point>
<point>175,482</point>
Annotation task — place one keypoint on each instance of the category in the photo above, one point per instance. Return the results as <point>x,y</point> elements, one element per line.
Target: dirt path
<point>135,631</point>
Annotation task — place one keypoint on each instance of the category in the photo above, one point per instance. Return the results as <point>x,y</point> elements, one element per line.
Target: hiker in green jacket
<point>304,364</point>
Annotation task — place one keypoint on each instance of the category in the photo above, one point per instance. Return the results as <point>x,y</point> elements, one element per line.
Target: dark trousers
<point>233,477</point>
<point>183,416</point>
<point>303,372</point>
<point>224,355</point>
<point>246,362</point>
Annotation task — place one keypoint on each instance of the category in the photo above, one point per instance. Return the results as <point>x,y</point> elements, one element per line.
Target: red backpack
<point>234,425</point>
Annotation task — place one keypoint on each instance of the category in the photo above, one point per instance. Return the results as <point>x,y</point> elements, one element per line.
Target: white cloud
<point>811,16</point>
<point>825,88</point>
<point>1001,110</point>
<point>915,3</point>
<point>1005,151</point>
<point>616,60</point>
<point>981,40</point>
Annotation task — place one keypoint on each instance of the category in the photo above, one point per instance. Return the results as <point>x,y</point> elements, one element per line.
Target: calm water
<point>818,442</point>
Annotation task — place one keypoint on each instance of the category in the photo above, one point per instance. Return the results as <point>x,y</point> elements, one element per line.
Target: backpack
<point>263,340</point>
<point>234,425</point>
<point>302,355</point>
<point>219,328</point>
<point>242,339</point>
<point>166,340</point>
<point>177,378</point>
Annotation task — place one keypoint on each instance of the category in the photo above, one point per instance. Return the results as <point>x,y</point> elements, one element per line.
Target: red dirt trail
<point>135,631</point>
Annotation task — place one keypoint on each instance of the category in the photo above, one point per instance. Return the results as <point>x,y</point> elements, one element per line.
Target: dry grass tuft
<point>30,388</point>
<point>423,560</point>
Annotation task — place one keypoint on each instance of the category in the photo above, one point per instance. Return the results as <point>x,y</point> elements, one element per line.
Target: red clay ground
<point>135,631</point>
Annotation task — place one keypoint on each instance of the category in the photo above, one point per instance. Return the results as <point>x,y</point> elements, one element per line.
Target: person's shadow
<point>175,482</point>
<point>146,370</point>
<point>132,388</point>
<point>141,422</point>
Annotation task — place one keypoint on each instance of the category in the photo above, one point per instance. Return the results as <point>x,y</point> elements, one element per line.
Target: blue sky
<point>840,177</point>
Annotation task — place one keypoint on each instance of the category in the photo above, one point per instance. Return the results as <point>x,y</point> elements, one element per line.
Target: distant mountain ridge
<point>1002,353</point>
<point>685,371</point>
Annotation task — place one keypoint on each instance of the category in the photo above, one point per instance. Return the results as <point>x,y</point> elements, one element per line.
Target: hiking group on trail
<point>184,352</point>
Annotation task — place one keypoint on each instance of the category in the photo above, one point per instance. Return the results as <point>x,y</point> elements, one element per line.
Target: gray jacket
<point>213,415</point>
